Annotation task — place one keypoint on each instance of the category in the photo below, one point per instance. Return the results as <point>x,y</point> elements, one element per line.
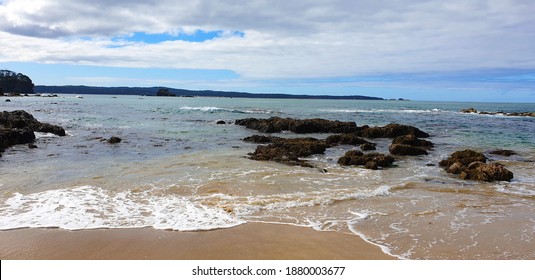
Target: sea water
<point>176,168</point>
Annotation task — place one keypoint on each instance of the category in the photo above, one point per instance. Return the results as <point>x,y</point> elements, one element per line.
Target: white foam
<point>380,111</point>
<point>89,207</point>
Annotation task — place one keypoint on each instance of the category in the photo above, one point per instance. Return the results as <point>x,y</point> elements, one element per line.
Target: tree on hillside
<point>164,92</point>
<point>11,82</point>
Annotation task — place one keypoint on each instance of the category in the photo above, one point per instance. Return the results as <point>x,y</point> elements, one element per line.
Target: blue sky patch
<point>197,36</point>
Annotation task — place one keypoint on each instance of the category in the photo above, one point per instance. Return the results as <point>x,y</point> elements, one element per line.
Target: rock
<point>32,146</point>
<point>464,157</point>
<point>505,153</point>
<point>412,140</point>
<point>471,165</point>
<point>406,150</point>
<point>18,127</point>
<point>367,147</point>
<point>345,139</point>
<point>8,100</point>
<point>221,122</point>
<point>277,124</point>
<point>259,139</point>
<point>114,140</point>
<point>370,161</point>
<point>22,119</point>
<point>469,111</point>
<point>390,131</point>
<point>288,151</point>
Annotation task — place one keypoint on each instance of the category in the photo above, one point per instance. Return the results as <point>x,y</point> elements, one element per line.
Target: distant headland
<point>159,91</point>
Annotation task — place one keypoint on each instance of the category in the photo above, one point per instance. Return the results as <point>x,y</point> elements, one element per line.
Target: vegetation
<point>14,83</point>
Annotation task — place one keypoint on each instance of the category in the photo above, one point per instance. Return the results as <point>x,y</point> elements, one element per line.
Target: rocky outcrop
<point>510,114</point>
<point>22,119</point>
<point>345,139</point>
<point>18,127</point>
<point>390,131</point>
<point>406,150</point>
<point>412,140</point>
<point>471,165</point>
<point>505,153</point>
<point>369,161</point>
<point>289,151</point>
<point>409,145</point>
<point>276,124</point>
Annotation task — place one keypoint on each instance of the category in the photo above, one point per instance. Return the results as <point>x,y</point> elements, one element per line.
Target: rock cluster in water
<point>18,127</point>
<point>289,151</point>
<point>467,164</point>
<point>513,114</point>
<point>471,165</point>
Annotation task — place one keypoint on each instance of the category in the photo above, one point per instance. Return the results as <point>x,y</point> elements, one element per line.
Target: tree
<point>11,82</point>
<point>164,92</point>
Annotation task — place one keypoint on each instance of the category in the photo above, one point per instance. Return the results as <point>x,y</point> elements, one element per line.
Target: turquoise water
<point>177,169</point>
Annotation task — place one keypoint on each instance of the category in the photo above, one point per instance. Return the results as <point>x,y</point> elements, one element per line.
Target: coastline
<point>251,241</point>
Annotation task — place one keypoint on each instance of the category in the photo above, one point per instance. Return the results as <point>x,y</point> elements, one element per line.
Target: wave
<point>89,207</point>
<point>435,110</point>
<point>209,109</point>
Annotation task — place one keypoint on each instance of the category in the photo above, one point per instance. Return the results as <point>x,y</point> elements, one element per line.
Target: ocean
<point>177,169</point>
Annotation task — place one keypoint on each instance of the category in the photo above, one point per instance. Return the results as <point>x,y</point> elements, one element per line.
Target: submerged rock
<point>512,114</point>
<point>369,161</point>
<point>277,124</point>
<point>367,146</point>
<point>471,165</point>
<point>412,140</point>
<point>220,122</point>
<point>409,145</point>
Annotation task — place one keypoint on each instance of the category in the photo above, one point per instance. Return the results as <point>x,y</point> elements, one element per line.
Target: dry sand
<point>250,241</point>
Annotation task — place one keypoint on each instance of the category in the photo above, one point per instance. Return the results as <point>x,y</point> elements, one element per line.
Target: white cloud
<point>291,39</point>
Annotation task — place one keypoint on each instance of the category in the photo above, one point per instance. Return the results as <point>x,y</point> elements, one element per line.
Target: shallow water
<point>177,169</point>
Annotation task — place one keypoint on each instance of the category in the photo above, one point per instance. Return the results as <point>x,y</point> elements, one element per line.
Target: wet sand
<point>250,241</point>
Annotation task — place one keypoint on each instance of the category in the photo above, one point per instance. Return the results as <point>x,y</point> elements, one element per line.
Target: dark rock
<point>412,140</point>
<point>370,161</point>
<point>406,150</point>
<point>367,147</point>
<point>32,146</point>
<point>259,139</point>
<point>471,165</point>
<point>18,127</point>
<point>277,124</point>
<point>390,131</point>
<point>469,111</point>
<point>345,139</point>
<point>221,122</point>
<point>288,151</point>
<point>8,100</point>
<point>505,153</point>
<point>114,140</point>
<point>464,157</point>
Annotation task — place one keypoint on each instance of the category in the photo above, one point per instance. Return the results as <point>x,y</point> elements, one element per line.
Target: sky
<point>457,50</point>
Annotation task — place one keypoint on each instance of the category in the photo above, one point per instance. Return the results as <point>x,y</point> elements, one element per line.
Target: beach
<point>252,241</point>
<point>184,171</point>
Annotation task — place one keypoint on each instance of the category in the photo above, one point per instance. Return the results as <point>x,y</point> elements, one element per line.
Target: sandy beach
<point>251,241</point>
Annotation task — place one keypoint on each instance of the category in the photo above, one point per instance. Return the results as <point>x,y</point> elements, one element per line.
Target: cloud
<point>295,39</point>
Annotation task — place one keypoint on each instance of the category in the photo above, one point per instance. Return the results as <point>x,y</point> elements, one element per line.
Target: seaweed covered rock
<point>471,165</point>
<point>390,131</point>
<point>277,124</point>
<point>412,140</point>
<point>370,161</point>
<point>288,151</point>
<point>406,150</point>
<point>409,145</point>
<point>505,153</point>
<point>346,139</point>
<point>367,146</point>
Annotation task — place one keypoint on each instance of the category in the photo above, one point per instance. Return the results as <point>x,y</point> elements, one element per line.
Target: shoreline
<point>250,241</point>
